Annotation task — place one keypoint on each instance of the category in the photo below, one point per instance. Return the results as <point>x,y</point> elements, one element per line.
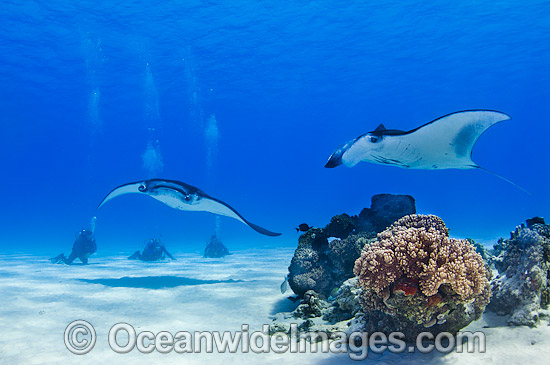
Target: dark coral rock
<point>342,255</point>
<point>499,247</point>
<point>480,249</point>
<point>346,302</point>
<point>314,314</point>
<point>340,226</point>
<point>535,220</point>
<point>215,248</point>
<point>385,209</point>
<point>312,306</point>
<point>322,266</point>
<point>307,268</point>
<point>522,288</point>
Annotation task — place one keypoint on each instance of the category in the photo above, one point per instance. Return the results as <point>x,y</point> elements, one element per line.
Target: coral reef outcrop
<point>416,277</point>
<point>340,226</point>
<point>413,278</point>
<point>325,256</point>
<point>418,247</point>
<point>521,289</point>
<point>322,265</point>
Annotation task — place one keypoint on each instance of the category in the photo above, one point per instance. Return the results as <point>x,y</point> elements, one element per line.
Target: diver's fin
<point>503,178</point>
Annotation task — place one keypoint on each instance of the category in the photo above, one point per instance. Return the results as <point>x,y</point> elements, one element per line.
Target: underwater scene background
<point>247,100</point>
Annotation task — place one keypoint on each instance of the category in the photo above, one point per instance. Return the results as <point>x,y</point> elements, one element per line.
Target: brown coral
<point>419,247</point>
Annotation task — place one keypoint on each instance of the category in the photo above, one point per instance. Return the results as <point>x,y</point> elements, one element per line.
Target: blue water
<point>247,100</point>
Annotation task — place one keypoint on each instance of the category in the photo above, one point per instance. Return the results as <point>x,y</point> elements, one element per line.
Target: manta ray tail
<point>503,178</point>
<point>262,230</point>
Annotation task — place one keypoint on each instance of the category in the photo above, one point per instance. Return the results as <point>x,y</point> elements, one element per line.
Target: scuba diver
<point>83,247</point>
<point>215,248</point>
<point>154,251</point>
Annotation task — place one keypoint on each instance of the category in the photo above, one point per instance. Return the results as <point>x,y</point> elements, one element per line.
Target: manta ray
<point>444,143</point>
<point>182,196</point>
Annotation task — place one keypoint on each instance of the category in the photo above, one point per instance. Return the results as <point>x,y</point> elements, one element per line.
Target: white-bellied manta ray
<point>182,196</point>
<point>444,143</point>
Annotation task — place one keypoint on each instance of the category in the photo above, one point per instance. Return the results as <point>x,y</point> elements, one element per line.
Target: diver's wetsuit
<point>153,251</point>
<point>83,247</point>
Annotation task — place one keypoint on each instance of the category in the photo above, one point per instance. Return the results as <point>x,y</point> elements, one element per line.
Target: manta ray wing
<point>173,193</point>
<point>447,142</point>
<point>129,188</point>
<point>219,207</point>
<point>444,143</point>
<point>211,205</point>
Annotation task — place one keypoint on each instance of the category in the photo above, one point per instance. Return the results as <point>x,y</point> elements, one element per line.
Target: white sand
<point>40,299</point>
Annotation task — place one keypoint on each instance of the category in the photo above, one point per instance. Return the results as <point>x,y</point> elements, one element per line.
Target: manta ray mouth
<point>388,161</point>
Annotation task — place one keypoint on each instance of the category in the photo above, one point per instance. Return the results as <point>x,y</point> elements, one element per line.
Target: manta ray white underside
<point>182,196</point>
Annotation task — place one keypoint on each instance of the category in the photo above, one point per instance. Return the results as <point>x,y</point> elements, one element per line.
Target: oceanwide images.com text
<point>80,338</point>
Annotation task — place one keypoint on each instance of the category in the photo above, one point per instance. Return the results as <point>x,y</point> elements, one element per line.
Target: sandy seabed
<point>191,294</point>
